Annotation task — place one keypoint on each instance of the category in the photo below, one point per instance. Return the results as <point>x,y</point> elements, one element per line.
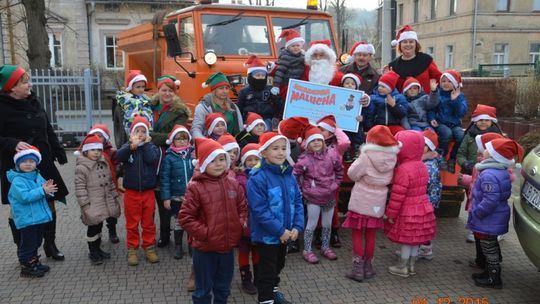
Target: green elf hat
<point>9,75</point>
<point>215,81</point>
<point>166,79</point>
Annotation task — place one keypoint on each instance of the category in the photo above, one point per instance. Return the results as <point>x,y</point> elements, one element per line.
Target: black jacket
<point>261,102</point>
<point>25,120</point>
<point>369,76</point>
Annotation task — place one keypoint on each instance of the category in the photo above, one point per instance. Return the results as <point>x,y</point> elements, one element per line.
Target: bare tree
<point>323,5</point>
<point>341,14</point>
<point>38,53</point>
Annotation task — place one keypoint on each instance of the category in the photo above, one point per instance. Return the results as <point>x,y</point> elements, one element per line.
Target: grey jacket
<point>418,108</point>
<point>204,108</point>
<point>288,66</point>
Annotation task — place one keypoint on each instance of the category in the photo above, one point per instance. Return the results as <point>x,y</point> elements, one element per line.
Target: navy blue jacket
<point>449,112</point>
<point>379,113</point>
<point>140,166</point>
<point>261,102</point>
<point>175,172</point>
<point>275,203</point>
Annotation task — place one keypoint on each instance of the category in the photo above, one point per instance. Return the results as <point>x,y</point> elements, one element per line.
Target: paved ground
<point>446,279</point>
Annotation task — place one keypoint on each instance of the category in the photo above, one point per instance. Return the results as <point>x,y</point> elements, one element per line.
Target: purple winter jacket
<point>490,212</point>
<point>319,175</point>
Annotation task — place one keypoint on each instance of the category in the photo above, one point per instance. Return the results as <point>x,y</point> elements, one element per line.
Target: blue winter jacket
<point>275,203</point>
<point>490,211</point>
<point>140,166</point>
<point>28,199</point>
<point>449,112</point>
<point>175,172</point>
<point>419,106</point>
<point>379,113</point>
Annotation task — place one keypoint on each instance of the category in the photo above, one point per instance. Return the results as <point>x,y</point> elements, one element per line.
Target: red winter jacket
<point>214,212</point>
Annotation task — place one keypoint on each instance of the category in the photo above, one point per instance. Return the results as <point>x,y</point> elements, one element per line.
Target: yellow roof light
<point>312,4</point>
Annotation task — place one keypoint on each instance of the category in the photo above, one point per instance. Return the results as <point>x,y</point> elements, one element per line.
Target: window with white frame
<point>55,47</point>
<point>433,9</point>
<point>453,7</point>
<point>400,13</point>
<point>503,5</point>
<point>449,57</point>
<point>500,54</point>
<point>415,11</point>
<point>534,53</point>
<point>430,51</point>
<point>114,57</point>
<point>536,5</point>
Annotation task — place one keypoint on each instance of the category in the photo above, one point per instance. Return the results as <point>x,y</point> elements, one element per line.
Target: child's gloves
<point>274,91</point>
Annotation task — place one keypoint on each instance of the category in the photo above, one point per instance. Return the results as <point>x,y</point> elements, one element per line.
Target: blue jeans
<point>213,274</point>
<point>445,136</point>
<point>31,237</point>
<point>421,129</point>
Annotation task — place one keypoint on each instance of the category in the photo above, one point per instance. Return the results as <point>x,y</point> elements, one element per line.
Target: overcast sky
<point>366,4</point>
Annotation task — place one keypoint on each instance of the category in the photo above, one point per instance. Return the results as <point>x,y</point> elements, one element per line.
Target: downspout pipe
<point>473,53</point>
<point>89,13</point>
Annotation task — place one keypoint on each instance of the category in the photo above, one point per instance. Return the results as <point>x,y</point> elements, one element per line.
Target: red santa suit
<point>322,71</point>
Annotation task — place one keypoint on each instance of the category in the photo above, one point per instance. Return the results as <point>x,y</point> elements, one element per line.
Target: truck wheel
<point>120,136</point>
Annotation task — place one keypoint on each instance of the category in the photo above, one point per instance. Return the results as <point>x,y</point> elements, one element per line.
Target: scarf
<point>490,163</point>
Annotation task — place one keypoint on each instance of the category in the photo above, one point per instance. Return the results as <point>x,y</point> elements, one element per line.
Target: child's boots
<point>357,272</point>
<point>247,280</point>
<point>151,255</point>
<point>334,238</point>
<point>489,279</point>
<point>113,237</point>
<point>412,269</point>
<point>31,270</point>
<point>93,255</point>
<point>178,250</point>
<point>426,252</point>
<point>132,257</point>
<point>401,269</point>
<point>369,272</point>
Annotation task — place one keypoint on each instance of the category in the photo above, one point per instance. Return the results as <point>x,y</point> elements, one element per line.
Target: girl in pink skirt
<point>372,172</point>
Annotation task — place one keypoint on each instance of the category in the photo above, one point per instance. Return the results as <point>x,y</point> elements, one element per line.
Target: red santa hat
<point>253,119</point>
<point>101,129</point>
<point>389,80</point>
<point>431,139</point>
<point>250,150</point>
<point>311,133</point>
<point>140,121</point>
<point>268,138</point>
<point>171,81</point>
<point>320,46</point>
<point>175,130</point>
<point>293,127</point>
<point>29,153</point>
<point>132,77</point>
<point>404,33</point>
<point>409,83</point>
<point>291,37</point>
<point>254,64</point>
<point>454,77</point>
<point>484,112</point>
<point>380,138</point>
<point>228,142</point>
<point>482,139</point>
<point>360,47</point>
<point>207,150</point>
<point>503,150</point>
<point>212,120</point>
<point>354,77</point>
<point>327,122</point>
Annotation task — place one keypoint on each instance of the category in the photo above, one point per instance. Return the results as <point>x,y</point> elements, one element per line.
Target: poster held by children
<point>316,100</point>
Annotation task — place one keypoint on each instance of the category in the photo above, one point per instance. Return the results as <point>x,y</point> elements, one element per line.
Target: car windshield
<point>310,29</point>
<point>235,35</point>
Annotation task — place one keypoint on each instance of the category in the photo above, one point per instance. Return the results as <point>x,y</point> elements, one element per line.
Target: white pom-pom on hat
<point>204,85</point>
<point>394,43</point>
<point>177,82</point>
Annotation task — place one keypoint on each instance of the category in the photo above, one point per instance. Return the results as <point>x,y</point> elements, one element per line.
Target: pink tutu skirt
<point>354,220</point>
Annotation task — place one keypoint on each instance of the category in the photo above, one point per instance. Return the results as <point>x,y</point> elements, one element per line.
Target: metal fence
<point>71,98</point>
<point>507,69</point>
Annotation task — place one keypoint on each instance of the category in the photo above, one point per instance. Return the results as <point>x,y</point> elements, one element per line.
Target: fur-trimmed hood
<point>383,159</point>
<point>177,104</point>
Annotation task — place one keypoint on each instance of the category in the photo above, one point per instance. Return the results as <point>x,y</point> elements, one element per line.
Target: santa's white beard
<point>321,71</point>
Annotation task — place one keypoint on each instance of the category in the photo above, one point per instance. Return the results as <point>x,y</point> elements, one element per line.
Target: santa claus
<point>320,61</point>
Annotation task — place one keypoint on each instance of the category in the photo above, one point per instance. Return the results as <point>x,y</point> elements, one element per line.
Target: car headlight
<point>210,57</point>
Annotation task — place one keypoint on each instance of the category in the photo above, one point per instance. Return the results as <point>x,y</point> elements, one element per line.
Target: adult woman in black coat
<point>23,122</point>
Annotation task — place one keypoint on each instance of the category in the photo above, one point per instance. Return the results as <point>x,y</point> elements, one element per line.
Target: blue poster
<point>314,101</point>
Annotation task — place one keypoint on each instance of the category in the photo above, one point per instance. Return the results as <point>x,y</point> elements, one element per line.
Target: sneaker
<point>310,257</point>
<point>425,252</point>
<point>279,298</point>
<point>470,237</point>
<point>329,254</point>
<point>500,237</point>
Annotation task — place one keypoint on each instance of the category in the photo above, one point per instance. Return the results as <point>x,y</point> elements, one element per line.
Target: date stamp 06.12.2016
<point>450,300</point>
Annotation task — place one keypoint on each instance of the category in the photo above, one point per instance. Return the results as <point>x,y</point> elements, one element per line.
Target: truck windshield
<point>242,35</point>
<point>312,29</point>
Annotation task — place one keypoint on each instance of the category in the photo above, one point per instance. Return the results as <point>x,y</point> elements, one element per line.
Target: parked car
<point>527,207</point>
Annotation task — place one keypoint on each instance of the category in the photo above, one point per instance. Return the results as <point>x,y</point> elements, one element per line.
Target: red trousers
<point>139,210</point>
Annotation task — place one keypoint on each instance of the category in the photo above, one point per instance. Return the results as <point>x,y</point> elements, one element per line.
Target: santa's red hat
<point>482,139</point>
<point>454,77</point>
<point>252,120</point>
<point>409,83</point>
<point>212,120</point>
<point>207,150</point>
<point>354,77</point>
<point>431,139</point>
<point>311,133</point>
<point>484,112</point>
<point>250,150</point>
<point>175,130</point>
<point>29,153</point>
<point>328,122</point>
<point>268,138</point>
<point>140,121</point>
<point>389,80</point>
<point>291,37</point>
<point>101,129</point>
<point>503,150</point>
<point>254,64</point>
<point>228,142</point>
<point>293,127</point>
<point>404,33</point>
<point>320,46</point>
<point>132,77</point>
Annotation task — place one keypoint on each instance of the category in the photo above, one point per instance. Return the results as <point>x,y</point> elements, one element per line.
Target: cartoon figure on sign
<point>350,103</point>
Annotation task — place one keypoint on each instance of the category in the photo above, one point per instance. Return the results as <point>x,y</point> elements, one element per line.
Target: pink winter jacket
<point>319,175</point>
<point>409,207</point>
<point>372,172</point>
<point>339,142</point>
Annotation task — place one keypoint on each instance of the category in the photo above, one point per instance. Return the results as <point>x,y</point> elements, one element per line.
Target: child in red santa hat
<point>215,125</point>
<point>290,63</point>
<point>133,100</point>
<point>254,128</point>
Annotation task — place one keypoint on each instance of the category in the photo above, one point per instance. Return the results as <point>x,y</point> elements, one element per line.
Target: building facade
<point>463,34</point>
